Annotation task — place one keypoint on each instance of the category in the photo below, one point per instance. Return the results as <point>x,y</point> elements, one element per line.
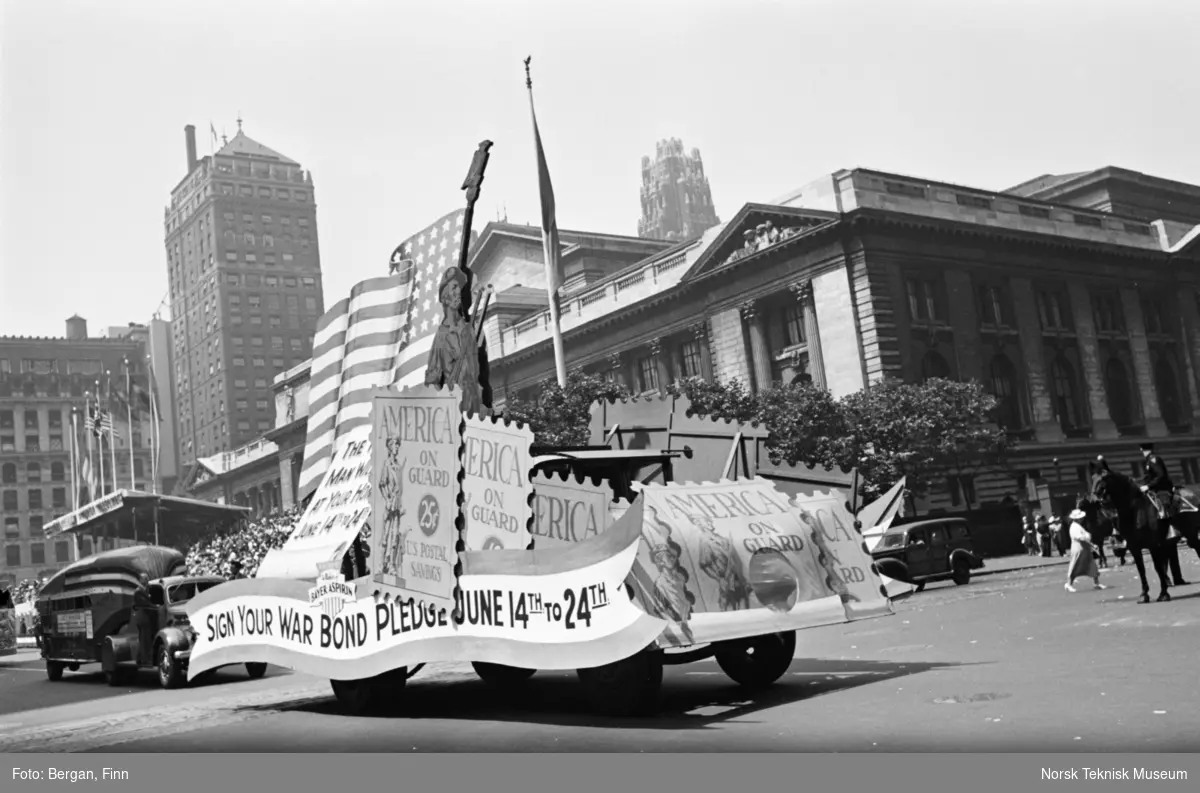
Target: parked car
<point>928,550</point>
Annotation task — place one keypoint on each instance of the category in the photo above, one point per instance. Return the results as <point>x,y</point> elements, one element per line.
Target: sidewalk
<point>1009,564</point>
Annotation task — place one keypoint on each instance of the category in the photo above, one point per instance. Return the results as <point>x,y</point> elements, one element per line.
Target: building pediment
<point>757,228</point>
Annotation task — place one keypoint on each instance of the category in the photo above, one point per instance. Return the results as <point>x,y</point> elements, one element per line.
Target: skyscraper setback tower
<point>676,200</point>
<point>245,288</point>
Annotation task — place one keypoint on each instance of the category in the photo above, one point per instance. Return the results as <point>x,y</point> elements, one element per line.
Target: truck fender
<point>116,650</point>
<point>893,568</point>
<point>973,562</point>
<point>174,639</point>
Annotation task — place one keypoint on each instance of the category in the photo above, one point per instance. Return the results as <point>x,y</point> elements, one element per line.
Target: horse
<point>1136,521</point>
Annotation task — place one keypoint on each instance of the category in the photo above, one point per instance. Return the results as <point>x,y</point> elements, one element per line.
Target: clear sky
<point>385,101</point>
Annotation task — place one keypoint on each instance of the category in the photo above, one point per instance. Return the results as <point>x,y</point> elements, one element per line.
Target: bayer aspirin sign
<point>332,593</point>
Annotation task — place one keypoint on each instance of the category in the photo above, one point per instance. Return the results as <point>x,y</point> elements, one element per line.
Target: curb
<point>996,571</point>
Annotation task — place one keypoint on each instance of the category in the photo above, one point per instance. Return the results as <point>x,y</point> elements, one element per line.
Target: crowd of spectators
<point>247,545</point>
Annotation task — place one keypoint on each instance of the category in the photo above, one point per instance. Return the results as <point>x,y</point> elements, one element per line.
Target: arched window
<point>1066,394</point>
<point>1006,388</point>
<point>57,472</point>
<point>1167,385</point>
<point>9,475</point>
<point>934,365</point>
<point>1120,395</point>
<point>33,472</point>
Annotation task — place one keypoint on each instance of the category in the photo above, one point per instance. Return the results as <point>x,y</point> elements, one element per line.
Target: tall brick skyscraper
<point>676,200</point>
<point>245,288</point>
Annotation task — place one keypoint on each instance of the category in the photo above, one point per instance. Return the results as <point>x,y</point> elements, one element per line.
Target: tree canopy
<point>888,430</point>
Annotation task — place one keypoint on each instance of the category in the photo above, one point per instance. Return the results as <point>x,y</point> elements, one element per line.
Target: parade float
<point>440,533</point>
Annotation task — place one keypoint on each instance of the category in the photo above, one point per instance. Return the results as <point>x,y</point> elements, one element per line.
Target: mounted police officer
<point>1156,482</point>
<point>1158,486</point>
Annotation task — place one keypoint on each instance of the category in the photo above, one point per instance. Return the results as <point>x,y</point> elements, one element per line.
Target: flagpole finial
<point>528,79</point>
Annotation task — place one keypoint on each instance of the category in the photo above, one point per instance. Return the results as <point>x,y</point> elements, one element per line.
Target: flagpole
<point>129,418</point>
<point>98,431</point>
<point>112,430</point>
<point>549,252</point>
<point>75,464</point>
<point>152,385</point>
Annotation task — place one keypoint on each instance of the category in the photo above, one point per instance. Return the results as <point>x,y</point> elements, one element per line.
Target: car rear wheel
<point>962,573</point>
<point>760,661</point>
<point>54,671</point>
<point>256,669</point>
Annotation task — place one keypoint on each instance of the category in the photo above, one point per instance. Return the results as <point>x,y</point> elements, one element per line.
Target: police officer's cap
<point>1146,447</point>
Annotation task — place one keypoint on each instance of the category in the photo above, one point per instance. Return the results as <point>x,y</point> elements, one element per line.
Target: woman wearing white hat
<point>1083,561</point>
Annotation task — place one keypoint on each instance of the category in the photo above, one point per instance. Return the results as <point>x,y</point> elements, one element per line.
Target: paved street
<point>1010,662</point>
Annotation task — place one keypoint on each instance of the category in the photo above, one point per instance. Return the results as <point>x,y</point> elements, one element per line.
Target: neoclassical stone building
<point>1074,299</point>
<point>1079,310</point>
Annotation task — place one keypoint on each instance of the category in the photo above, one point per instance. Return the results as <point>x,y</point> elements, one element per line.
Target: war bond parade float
<point>439,532</point>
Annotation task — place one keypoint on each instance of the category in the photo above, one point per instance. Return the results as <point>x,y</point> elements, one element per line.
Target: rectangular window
<point>261,404</point>
<point>924,300</point>
<point>239,361</point>
<point>37,553</point>
<point>1054,310</point>
<point>297,344</point>
<point>58,497</point>
<point>992,308</point>
<point>254,300</point>
<point>689,354</point>
<point>1110,317</point>
<point>648,374</point>
<point>12,555</point>
<point>242,404</point>
<point>310,303</point>
<point>309,282</point>
<point>260,362</point>
<point>35,499</point>
<point>793,325</point>
<point>12,528</point>
<point>32,443</point>
<point>62,552</point>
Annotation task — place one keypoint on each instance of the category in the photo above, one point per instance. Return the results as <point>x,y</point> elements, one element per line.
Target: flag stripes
<point>379,336</point>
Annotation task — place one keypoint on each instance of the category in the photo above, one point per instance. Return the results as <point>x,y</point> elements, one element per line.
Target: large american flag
<point>379,336</point>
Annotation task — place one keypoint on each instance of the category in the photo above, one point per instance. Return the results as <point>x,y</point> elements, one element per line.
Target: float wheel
<point>256,669</point>
<point>630,687</point>
<point>760,661</point>
<point>500,675</point>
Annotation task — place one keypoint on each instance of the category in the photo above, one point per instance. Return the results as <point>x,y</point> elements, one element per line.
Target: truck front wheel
<point>760,661</point>
<point>500,675</point>
<point>360,697</point>
<point>630,687</point>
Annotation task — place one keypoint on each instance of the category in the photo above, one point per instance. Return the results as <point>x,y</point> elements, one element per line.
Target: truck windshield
<point>186,591</point>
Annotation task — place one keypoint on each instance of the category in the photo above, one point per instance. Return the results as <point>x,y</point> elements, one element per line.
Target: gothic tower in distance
<point>676,200</point>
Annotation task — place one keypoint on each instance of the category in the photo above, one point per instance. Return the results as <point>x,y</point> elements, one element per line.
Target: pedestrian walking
<point>1043,530</point>
<point>1029,536</point>
<point>1061,534</point>
<point>1083,562</point>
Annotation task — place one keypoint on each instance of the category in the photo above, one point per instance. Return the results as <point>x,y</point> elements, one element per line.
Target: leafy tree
<point>920,431</point>
<point>806,424</point>
<point>730,400</point>
<point>560,416</point>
